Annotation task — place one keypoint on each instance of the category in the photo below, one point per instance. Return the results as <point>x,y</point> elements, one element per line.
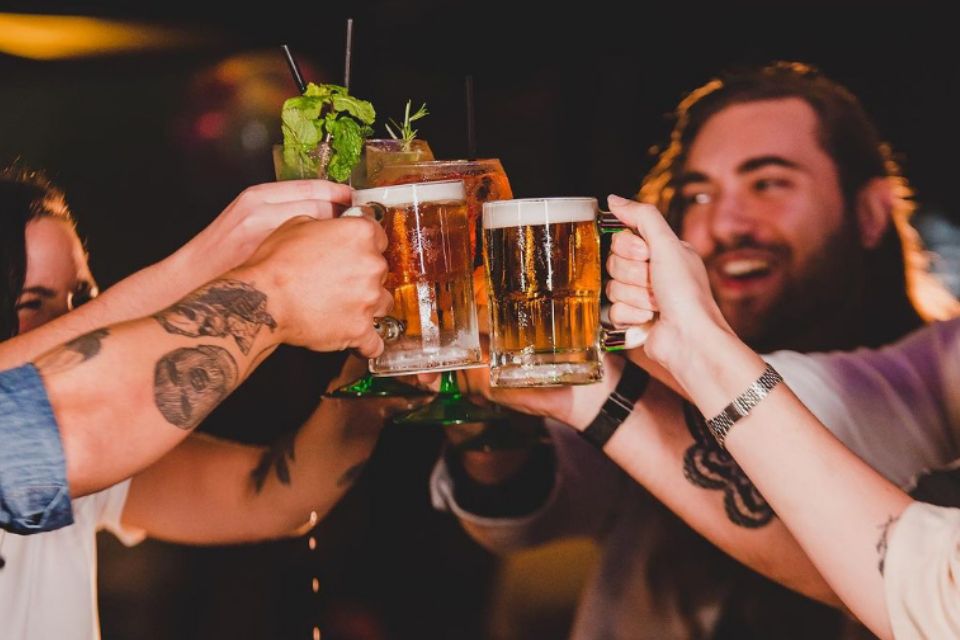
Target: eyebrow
<point>747,166</point>
<point>765,161</point>
<point>690,177</point>
<point>43,292</point>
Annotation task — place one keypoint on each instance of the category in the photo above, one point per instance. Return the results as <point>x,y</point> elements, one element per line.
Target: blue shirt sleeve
<point>34,494</point>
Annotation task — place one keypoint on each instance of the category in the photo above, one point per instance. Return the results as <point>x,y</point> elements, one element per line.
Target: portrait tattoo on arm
<point>220,309</point>
<point>706,464</point>
<point>189,382</point>
<point>72,353</point>
<point>275,458</point>
<point>882,542</point>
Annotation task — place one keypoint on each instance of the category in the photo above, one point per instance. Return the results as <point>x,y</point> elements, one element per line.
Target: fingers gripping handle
<point>630,337</point>
<point>388,328</point>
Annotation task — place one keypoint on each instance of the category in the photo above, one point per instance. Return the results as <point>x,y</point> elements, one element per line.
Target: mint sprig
<point>325,113</point>
<point>406,131</point>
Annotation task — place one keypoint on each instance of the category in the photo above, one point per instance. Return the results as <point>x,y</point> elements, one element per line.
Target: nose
<point>730,217</point>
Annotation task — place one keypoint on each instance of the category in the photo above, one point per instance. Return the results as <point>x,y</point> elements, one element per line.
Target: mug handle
<point>387,327</point>
<point>372,210</point>
<point>633,336</point>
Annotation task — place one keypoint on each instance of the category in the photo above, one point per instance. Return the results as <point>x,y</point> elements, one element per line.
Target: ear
<point>874,209</point>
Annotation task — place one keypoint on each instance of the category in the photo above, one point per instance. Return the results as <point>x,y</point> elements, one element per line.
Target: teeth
<point>736,268</point>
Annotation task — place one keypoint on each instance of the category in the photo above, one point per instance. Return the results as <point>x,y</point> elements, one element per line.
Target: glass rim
<point>516,212</point>
<point>493,203</point>
<point>395,194</point>
<point>454,161</point>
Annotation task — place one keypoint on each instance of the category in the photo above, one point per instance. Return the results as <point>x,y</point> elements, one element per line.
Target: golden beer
<point>430,267</point>
<point>484,181</point>
<point>542,261</point>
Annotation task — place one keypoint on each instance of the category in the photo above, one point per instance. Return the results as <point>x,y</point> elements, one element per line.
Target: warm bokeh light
<point>56,37</point>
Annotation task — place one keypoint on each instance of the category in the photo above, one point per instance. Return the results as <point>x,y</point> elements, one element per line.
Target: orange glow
<point>56,37</point>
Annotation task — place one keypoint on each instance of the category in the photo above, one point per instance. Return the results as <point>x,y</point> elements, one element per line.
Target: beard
<point>809,310</point>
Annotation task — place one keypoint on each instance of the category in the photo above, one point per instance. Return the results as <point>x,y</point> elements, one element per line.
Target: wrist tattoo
<point>189,382</point>
<point>882,542</point>
<point>706,464</point>
<point>220,309</point>
<point>350,475</point>
<point>275,458</point>
<point>72,353</point>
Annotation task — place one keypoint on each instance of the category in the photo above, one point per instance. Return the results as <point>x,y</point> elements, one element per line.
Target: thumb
<point>370,345</point>
<point>645,218</point>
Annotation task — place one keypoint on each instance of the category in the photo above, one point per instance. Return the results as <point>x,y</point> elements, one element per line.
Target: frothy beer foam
<point>537,211</point>
<point>403,194</point>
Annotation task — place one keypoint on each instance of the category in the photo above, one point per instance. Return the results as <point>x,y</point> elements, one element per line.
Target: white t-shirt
<point>921,573</point>
<point>48,588</point>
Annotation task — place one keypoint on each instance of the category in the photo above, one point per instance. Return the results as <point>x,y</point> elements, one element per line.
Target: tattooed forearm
<point>275,458</point>
<point>72,353</point>
<point>708,465</point>
<point>222,308</point>
<point>189,382</point>
<point>882,542</point>
<point>350,475</point>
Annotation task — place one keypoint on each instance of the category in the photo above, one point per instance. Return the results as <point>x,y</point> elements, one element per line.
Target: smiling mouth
<point>745,269</point>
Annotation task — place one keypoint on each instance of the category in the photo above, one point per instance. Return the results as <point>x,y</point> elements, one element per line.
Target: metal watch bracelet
<point>741,406</point>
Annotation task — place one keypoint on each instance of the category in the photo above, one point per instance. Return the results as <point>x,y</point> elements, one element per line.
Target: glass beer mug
<point>542,259</point>
<point>433,324</point>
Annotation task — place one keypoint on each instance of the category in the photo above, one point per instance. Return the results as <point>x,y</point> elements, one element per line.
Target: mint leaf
<point>359,109</point>
<point>324,113</point>
<point>298,117</point>
<point>323,91</point>
<point>347,142</point>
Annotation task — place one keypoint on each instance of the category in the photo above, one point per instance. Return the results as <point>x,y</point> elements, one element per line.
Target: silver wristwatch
<point>720,424</point>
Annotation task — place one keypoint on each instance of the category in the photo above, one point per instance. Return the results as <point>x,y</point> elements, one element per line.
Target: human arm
<point>832,502</point>
<point>223,245</point>
<point>210,491</point>
<point>125,395</point>
<point>680,465</point>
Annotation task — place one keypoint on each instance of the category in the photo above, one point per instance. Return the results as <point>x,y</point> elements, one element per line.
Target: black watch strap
<point>619,405</point>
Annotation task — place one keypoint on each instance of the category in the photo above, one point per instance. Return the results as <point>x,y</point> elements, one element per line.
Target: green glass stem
<point>449,386</point>
<point>370,386</point>
<point>449,407</point>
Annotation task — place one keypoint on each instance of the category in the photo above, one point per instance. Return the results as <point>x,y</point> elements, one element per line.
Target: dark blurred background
<point>152,138</point>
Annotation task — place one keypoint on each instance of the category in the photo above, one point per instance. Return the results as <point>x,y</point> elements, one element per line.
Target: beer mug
<point>433,325</point>
<point>542,259</point>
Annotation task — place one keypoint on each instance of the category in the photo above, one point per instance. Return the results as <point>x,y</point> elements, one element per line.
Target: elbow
<point>81,462</point>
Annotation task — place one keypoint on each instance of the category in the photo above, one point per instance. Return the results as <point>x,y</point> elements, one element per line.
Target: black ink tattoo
<point>275,458</point>
<point>882,542</point>
<point>189,382</point>
<point>72,353</point>
<point>706,464</point>
<point>223,308</point>
<point>350,475</point>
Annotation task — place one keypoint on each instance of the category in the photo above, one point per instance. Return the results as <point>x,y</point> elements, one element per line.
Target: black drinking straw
<point>294,68</point>
<point>346,65</point>
<point>471,122</point>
